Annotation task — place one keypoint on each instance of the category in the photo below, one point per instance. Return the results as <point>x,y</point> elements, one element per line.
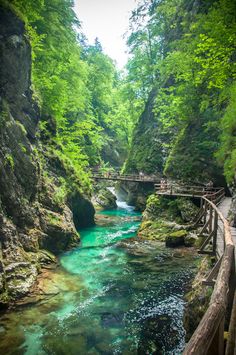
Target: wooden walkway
<point>126,177</point>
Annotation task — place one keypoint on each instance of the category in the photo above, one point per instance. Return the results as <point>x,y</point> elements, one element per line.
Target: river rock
<point>105,199</point>
<point>190,240</point>
<point>176,239</point>
<point>187,209</point>
<point>111,320</point>
<point>20,276</point>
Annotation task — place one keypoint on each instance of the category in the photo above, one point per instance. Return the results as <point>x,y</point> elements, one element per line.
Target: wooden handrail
<point>208,338</point>
<point>214,194</point>
<point>128,177</point>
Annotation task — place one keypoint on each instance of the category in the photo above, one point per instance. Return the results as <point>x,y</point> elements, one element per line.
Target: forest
<point>181,64</point>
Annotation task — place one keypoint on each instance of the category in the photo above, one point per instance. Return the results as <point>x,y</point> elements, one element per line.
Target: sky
<point>108,20</point>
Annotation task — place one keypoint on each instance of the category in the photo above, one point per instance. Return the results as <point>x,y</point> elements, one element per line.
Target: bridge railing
<point>214,194</point>
<point>126,177</point>
<point>208,338</point>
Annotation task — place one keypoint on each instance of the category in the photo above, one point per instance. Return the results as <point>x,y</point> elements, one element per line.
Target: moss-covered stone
<point>153,208</point>
<point>105,199</point>
<point>180,210</point>
<point>190,240</point>
<point>157,229</point>
<point>187,208</point>
<point>176,238</point>
<point>59,230</point>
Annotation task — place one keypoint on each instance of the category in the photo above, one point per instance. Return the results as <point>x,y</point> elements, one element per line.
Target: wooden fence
<point>208,338</point>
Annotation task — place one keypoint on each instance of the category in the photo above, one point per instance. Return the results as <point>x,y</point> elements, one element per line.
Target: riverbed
<point>114,294</point>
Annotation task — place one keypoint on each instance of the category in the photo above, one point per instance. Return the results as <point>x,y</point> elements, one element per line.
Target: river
<point>114,294</point>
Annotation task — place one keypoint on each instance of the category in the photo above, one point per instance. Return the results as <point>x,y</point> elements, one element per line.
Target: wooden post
<point>215,232</point>
<point>201,203</point>
<point>205,212</point>
<point>210,220</point>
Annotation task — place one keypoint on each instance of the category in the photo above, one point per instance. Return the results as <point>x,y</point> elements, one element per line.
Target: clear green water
<point>111,295</point>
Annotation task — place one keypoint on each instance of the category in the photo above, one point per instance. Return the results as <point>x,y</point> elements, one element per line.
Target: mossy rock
<point>4,300</point>
<point>190,240</point>
<point>176,239</point>
<point>105,199</point>
<point>145,225</point>
<point>187,209</point>
<point>154,230</point>
<point>200,241</point>
<point>152,210</point>
<point>45,257</point>
<point>179,233</point>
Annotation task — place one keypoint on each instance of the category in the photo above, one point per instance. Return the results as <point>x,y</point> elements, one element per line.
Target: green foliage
<point>227,151</point>
<point>61,192</point>
<point>193,68</point>
<point>23,148</point>
<point>9,161</point>
<point>153,201</point>
<point>83,104</point>
<point>173,109</point>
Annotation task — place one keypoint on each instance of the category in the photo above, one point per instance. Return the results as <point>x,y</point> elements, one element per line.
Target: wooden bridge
<point>126,177</point>
<point>220,240</point>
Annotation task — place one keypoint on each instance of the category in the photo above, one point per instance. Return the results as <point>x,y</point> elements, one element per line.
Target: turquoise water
<point>114,294</point>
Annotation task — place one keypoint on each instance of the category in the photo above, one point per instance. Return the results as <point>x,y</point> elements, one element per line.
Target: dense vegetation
<point>186,52</point>
<point>182,66</point>
<point>86,116</point>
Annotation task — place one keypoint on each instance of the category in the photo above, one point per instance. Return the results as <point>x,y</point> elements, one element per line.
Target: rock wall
<point>146,152</point>
<point>33,222</point>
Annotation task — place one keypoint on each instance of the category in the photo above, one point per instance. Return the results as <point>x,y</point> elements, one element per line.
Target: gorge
<point>110,285</point>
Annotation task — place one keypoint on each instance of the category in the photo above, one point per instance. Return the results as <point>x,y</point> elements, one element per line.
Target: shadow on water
<point>114,294</point>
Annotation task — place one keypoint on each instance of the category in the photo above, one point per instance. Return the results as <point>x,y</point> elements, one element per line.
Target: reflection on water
<point>112,295</point>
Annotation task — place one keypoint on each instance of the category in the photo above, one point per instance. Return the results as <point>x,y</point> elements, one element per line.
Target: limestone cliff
<point>33,219</point>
